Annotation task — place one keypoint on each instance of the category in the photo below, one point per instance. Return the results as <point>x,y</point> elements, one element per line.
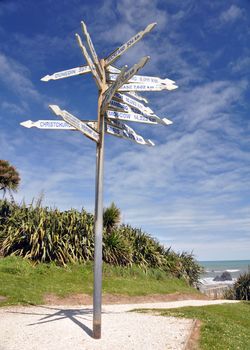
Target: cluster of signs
<point>120,100</point>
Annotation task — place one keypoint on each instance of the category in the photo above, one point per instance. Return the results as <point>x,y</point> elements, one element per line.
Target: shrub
<point>240,289</point>
<point>44,235</point>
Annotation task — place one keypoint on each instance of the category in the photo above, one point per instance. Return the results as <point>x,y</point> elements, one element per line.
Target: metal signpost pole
<point>97,293</point>
<point>120,85</point>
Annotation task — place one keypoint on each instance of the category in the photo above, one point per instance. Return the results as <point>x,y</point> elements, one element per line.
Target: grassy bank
<point>224,327</point>
<point>22,283</point>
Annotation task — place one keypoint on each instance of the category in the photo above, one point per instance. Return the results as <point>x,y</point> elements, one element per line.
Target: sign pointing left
<point>67,73</point>
<point>76,123</point>
<point>47,124</point>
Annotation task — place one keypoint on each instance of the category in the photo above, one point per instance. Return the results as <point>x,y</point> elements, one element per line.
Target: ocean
<point>216,268</point>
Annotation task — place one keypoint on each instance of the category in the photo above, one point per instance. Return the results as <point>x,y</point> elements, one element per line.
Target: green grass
<point>24,283</point>
<point>224,327</point>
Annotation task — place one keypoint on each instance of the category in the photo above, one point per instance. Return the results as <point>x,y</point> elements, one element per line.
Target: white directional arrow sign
<point>112,69</point>
<point>124,131</point>
<point>67,73</point>
<point>113,104</point>
<point>136,95</point>
<point>55,124</point>
<point>147,87</point>
<point>76,123</point>
<point>119,51</point>
<point>91,47</point>
<point>90,62</point>
<point>109,93</point>
<point>143,79</point>
<point>48,124</point>
<point>122,78</point>
<point>114,128</point>
<point>135,117</point>
<point>133,103</point>
<point>118,106</point>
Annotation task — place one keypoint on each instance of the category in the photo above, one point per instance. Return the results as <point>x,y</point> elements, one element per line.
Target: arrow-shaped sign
<point>115,128</point>
<point>135,117</point>
<point>119,106</point>
<point>48,124</point>
<point>136,95</point>
<point>119,51</point>
<point>143,79</point>
<point>76,123</point>
<point>122,78</point>
<point>133,103</point>
<point>109,93</point>
<point>113,104</point>
<point>90,62</point>
<point>91,47</point>
<point>112,69</point>
<point>67,73</point>
<point>122,130</point>
<point>55,124</point>
<point>147,87</point>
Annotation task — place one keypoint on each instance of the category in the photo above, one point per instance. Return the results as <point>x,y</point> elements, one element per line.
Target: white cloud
<point>16,77</point>
<point>241,65</point>
<point>232,14</point>
<point>12,108</point>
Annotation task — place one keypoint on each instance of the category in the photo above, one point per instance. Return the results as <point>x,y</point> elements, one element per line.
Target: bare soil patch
<point>2,298</point>
<point>193,341</point>
<point>85,299</point>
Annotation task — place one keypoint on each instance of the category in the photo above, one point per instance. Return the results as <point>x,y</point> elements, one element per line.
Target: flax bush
<point>45,235</point>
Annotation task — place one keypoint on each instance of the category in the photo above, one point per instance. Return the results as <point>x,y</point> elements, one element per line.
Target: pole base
<point>97,330</point>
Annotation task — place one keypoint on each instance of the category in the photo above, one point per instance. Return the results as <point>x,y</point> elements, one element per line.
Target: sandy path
<point>69,328</point>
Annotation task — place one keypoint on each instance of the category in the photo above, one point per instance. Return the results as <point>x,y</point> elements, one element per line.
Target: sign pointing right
<point>119,51</point>
<point>122,78</point>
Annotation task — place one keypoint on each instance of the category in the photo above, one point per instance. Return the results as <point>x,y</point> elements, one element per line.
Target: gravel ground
<point>65,327</point>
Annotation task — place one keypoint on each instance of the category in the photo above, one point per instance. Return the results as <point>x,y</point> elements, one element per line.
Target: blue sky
<point>192,189</point>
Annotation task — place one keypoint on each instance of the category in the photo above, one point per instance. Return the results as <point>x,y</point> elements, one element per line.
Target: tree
<point>111,217</point>
<point>9,177</point>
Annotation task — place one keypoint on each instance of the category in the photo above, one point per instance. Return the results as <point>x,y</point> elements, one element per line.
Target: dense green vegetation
<point>241,288</point>
<point>224,327</point>
<point>9,178</point>
<point>49,235</point>
<point>23,282</point>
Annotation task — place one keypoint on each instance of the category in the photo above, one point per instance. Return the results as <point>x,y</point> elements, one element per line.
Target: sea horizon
<point>213,268</point>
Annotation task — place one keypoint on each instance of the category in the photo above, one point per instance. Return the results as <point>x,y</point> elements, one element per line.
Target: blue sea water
<point>216,268</point>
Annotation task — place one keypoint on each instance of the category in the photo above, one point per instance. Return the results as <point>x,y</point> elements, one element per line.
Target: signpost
<point>132,41</point>
<point>122,78</point>
<point>144,79</point>
<point>67,73</point>
<point>90,62</point>
<point>110,81</point>
<point>124,131</point>
<point>48,125</point>
<point>114,128</point>
<point>140,118</point>
<point>147,87</point>
<point>133,103</point>
<point>76,123</point>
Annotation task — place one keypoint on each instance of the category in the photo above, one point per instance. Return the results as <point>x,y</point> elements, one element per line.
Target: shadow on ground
<point>60,314</point>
